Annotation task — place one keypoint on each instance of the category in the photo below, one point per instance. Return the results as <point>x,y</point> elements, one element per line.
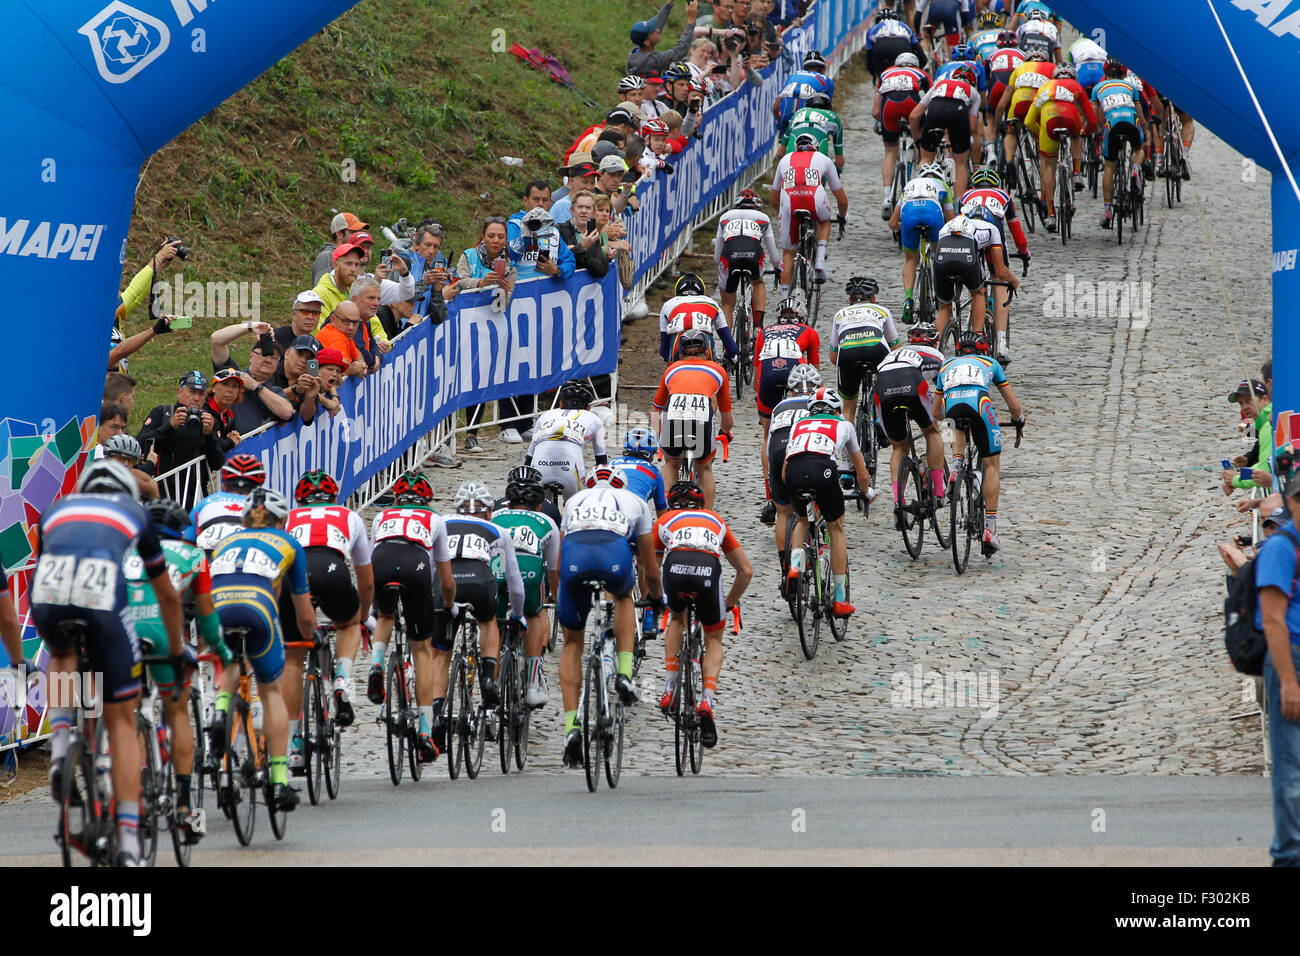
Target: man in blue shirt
<point>1278,616</point>
<point>536,248</point>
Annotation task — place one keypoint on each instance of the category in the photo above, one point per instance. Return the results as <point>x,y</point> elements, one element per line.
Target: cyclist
<point>900,88</point>
<point>779,350</point>
<point>126,449</point>
<point>745,243</point>
<point>817,119</point>
<point>82,541</point>
<point>800,85</point>
<point>221,513</point>
<point>410,546</point>
<point>562,433</point>
<point>905,387</point>
<point>984,41</point>
<point>964,386</point>
<point>1018,95</point>
<point>817,443</point>
<point>536,539</point>
<point>862,333</point>
<point>249,569</point>
<point>803,183</point>
<point>187,566</point>
<point>690,308</point>
<point>330,535</point>
<point>602,525</point>
<point>475,545</point>
<point>1121,111</point>
<point>640,474</point>
<point>926,204</point>
<point>694,540</point>
<point>887,39</point>
<point>963,54</point>
<point>1039,35</point>
<point>799,388</point>
<point>950,106</point>
<point>1000,64</point>
<point>1089,60</point>
<point>986,193</point>
<point>968,243</point>
<point>1061,104</point>
<point>691,391</point>
<point>945,16</point>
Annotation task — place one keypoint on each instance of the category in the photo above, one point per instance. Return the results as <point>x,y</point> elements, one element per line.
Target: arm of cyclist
<point>598,443</point>
<point>728,342</point>
<point>514,580</point>
<point>1000,269</point>
<point>769,244</point>
<point>651,584</point>
<point>739,561</point>
<point>208,622</point>
<point>859,468</point>
<point>1013,403</point>
<point>169,602</point>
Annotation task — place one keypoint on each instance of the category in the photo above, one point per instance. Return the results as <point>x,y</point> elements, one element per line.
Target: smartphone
<point>1227,465</point>
<point>313,366</point>
<point>1245,474</point>
<point>543,255</point>
<point>499,267</point>
<point>182,322</point>
<point>385,255</point>
<point>591,225</point>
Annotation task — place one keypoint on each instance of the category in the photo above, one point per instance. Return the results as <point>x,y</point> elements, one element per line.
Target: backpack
<point>1246,643</point>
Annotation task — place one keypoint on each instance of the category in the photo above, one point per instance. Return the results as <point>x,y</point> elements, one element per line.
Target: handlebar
<point>724,439</point>
<point>1024,261</point>
<point>1019,426</point>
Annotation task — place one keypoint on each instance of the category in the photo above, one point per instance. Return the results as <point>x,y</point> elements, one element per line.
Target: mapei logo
<point>124,40</point>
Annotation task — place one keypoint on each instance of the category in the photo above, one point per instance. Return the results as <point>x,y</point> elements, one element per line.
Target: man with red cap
<point>342,227</point>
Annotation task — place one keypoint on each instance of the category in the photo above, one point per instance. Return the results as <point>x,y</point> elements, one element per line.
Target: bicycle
<point>1064,186</point>
<point>400,715</point>
<point>743,328</point>
<point>1129,192</point>
<point>1173,156</point>
<point>903,171</point>
<point>921,505</point>
<point>805,277</point>
<point>1093,161</point>
<point>514,716</point>
<point>320,734</point>
<point>683,712</point>
<point>864,424</point>
<point>927,302</point>
<point>158,785</point>
<point>814,588</point>
<point>466,717</point>
<point>966,498</point>
<point>1028,184</point>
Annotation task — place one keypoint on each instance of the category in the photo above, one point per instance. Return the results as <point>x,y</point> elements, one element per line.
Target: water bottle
<point>824,562</point>
<point>607,665</point>
<point>257,713</point>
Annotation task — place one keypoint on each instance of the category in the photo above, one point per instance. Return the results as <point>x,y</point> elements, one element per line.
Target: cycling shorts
<point>740,256</point>
<point>894,113</point>
<point>533,570</point>
<point>476,586</point>
<point>1116,134</point>
<point>1053,117</point>
<point>776,445</point>
<point>903,393</point>
<point>817,202</point>
<point>408,564</point>
<point>162,675</point>
<point>592,556</point>
<point>945,17</point>
<point>855,363</point>
<point>678,435</point>
<point>998,86</point>
<point>946,116</point>
<point>1021,100</point>
<point>770,377</point>
<point>112,647</point>
<point>819,477</point>
<point>884,52</point>
<point>958,264</point>
<point>331,589</point>
<point>254,608</point>
<point>915,215</point>
<point>560,461</point>
<point>698,574</point>
<point>984,429</point>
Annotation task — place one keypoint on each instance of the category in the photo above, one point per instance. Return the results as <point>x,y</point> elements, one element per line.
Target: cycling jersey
<point>187,567</point>
<point>886,39</point>
<point>536,541</point>
<point>784,415</point>
<point>950,105</point>
<point>600,529</point>
<point>1001,206</point>
<point>1089,61</point>
<point>693,530</point>
<point>777,350</point>
<point>812,457</point>
<point>1039,36</point>
<point>801,85</point>
<point>684,312</point>
<point>330,535</point>
<point>905,388</point>
<point>1001,63</point>
<point>923,205</point>
<point>900,89</point>
<point>805,178</point>
<point>692,543</point>
<point>642,478</point>
<point>1060,105</point>
<point>214,517</point>
<point>965,382</point>
<point>827,435</point>
<point>861,336</point>
<point>331,526</point>
<point>1025,81</point>
<point>1119,114</point>
<point>984,42</point>
<point>823,125</point>
<point>981,79</point>
<point>686,395</point>
<point>559,438</point>
<point>960,253</point>
<point>475,545</point>
<point>409,540</point>
<point>744,238</point>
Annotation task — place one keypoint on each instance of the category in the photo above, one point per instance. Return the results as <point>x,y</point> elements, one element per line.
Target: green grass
<point>413,92</point>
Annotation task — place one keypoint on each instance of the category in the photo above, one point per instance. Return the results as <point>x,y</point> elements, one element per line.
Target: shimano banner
<point>552,331</point>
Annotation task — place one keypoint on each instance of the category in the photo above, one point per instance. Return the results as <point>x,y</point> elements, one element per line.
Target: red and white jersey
<point>803,173</point>
<point>1004,61</point>
<point>684,312</point>
<point>793,341</point>
<point>821,436</point>
<point>331,526</point>
<point>951,88</point>
<point>691,530</point>
<point>923,358</point>
<point>903,79</point>
<point>414,524</point>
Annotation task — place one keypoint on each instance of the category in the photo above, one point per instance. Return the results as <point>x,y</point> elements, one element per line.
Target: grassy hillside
<point>414,93</point>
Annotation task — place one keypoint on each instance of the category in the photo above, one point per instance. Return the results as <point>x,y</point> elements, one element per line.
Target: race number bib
<point>525,540</point>
<point>214,534</point>
<point>787,417</point>
<point>811,178</point>
<point>907,357</point>
<point>411,529</point>
<point>252,561</point>
<point>991,203</point>
<point>810,442</point>
<point>1117,101</point>
<point>694,538</point>
<point>898,83</point>
<point>783,348</point>
<point>598,517</point>
<point>962,376</point>
<point>699,320</point>
<point>923,189</point>
<point>689,407</point>
<point>1030,80</point>
<point>1064,95</point>
<point>742,229</point>
<point>470,547</point>
<point>334,538</point>
<point>90,583</point>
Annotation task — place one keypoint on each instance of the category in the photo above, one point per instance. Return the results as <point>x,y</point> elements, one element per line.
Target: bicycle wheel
<point>683,702</point>
<point>1062,205</point>
<point>742,331</point>
<point>279,818</point>
<point>523,718</point>
<point>909,485</point>
<point>333,733</point>
<point>151,808</point>
<point>936,516</point>
<point>451,710</point>
<point>193,713</point>
<point>959,519</point>
<point>591,742</point>
<point>311,737</point>
<point>697,695</point>
<point>241,770</point>
<point>554,641</point>
<point>80,807</point>
<point>395,714</point>
<point>411,723</point>
<point>926,309</point>
<point>614,741</point>
<point>1171,164</point>
<point>506,711</point>
<point>840,625</point>
<point>473,719</point>
<point>809,631</point>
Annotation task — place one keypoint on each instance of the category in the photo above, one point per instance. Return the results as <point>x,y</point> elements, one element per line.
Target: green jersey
<point>824,125</point>
<point>537,548</point>
<point>187,566</point>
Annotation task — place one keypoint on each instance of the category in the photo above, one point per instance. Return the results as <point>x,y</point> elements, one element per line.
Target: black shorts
<point>740,256</point>
<point>884,52</point>
<point>776,445</point>
<point>676,437</point>
<point>408,564</point>
<point>946,116</point>
<point>769,383</point>
<point>1116,135</point>
<point>899,394</point>
<point>694,572</point>
<point>855,363</point>
<point>112,648</point>
<point>476,586</point>
<point>958,264</point>
<point>819,475</point>
<point>332,591</point>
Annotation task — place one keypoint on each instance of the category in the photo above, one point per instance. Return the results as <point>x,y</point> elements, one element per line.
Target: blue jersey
<point>644,478</point>
<point>1117,102</point>
<point>798,88</point>
<point>981,76</point>
<point>260,558</point>
<point>966,380</point>
<point>219,514</point>
<point>889,29</point>
<point>984,43</point>
<point>83,541</point>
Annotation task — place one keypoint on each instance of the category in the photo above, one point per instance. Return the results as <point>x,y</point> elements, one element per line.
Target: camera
<point>194,417</point>
<point>182,251</point>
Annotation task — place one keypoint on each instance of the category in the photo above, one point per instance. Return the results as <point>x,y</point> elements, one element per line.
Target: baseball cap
<point>581,170</point>
<point>361,237</point>
<point>194,379</point>
<point>306,343</point>
<point>345,248</point>
<point>620,116</point>
<point>612,164</point>
<point>642,29</point>
<point>308,297</point>
<point>1244,389</point>
<point>228,375</point>
<point>1278,516</point>
<point>603,149</point>
<point>345,220</point>
<point>331,357</point>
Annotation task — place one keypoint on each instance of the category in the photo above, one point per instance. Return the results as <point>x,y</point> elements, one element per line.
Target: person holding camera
<point>262,402</point>
<point>138,290</point>
<point>683,97</point>
<point>536,248</point>
<point>429,270</point>
<point>582,235</point>
<point>187,430</point>
<point>643,60</point>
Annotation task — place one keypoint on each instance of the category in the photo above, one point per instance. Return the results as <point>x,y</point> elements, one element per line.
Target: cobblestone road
<point>1099,620</point>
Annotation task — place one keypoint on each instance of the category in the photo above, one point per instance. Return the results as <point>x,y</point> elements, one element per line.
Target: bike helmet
<point>654,127</point>
<point>473,496</point>
<point>689,284</point>
<point>242,473</point>
<point>1115,70</point>
<point>978,211</point>
<point>988,20</point>
<point>316,488</point>
<point>1035,56</point>
<point>575,394</point>
<point>890,14</point>
<point>812,60</point>
<point>818,101</point>
<point>804,379</point>
<point>964,71</point>
<point>640,442</point>
<point>412,488</point>
<point>693,339</point>
<point>907,59</point>
<point>985,177</point>
<point>924,334</point>
<point>605,475</point>
<point>962,51</point>
<point>1064,71</point>
<point>630,83</point>
<point>825,401</point>
<point>805,142</point>
<point>749,200</point>
<point>972,343</point>
<point>1035,14</point>
<point>1008,39</point>
<point>524,487</point>
<point>792,306</point>
<point>676,71</point>
<point>274,502</point>
<point>933,171</point>
<point>685,494</point>
<point>169,518</point>
<point>108,477</point>
<point>861,287</point>
<point>125,446</point>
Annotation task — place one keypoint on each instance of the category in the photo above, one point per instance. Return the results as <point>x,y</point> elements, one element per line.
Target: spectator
<point>138,290</point>
<point>643,60</point>
<point>536,247</point>
<point>762,44</point>
<point>1247,395</point>
<point>402,289</point>
<point>304,319</point>
<point>112,421</point>
<point>623,132</point>
<point>302,386</point>
<point>609,183</point>
<point>585,244</point>
<point>120,348</point>
<point>582,179</point>
<point>612,231</point>
<point>348,265</point>
<point>342,228</point>
<point>1278,616</point>
<point>332,365</point>
<point>429,270</point>
<point>182,432</point>
<point>119,389</point>
<point>398,316</point>
<point>682,98</point>
<point>784,12</point>
<point>261,402</point>
<point>226,391</point>
<point>725,16</point>
<point>338,333</point>
<point>657,150</point>
<point>365,293</point>
<point>633,89</point>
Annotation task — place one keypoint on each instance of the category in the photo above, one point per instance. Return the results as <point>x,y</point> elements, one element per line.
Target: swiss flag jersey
<point>1005,60</point>
<point>330,526</point>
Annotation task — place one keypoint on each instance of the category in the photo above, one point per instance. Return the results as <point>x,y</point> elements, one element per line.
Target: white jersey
<point>984,233</point>
<point>864,323</point>
<point>1084,50</point>
<point>331,526</point>
<point>605,508</point>
<point>820,172</point>
<point>574,426</point>
<point>684,312</point>
<point>822,435</point>
<point>422,526</point>
<point>745,224</point>
<point>927,187</point>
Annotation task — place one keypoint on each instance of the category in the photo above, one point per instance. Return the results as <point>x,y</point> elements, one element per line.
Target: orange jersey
<point>694,376</point>
<point>691,530</point>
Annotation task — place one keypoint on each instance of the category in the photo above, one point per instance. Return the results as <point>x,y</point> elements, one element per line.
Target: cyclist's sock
<point>534,670</point>
<point>710,688</point>
<point>991,521</point>
<point>487,667</point>
<point>907,295</point>
<point>784,557</point>
<point>893,485</point>
<point>295,729</point>
<point>758,318</point>
<point>821,253</point>
<point>128,827</point>
<point>223,702</point>
<point>279,770</point>
<point>60,727</point>
<point>796,559</point>
<point>426,719</point>
<point>570,721</point>
<point>625,663</point>
<point>343,669</point>
<point>670,668</point>
<point>841,586</point>
<point>380,648</point>
<point>936,482</point>
<point>183,783</point>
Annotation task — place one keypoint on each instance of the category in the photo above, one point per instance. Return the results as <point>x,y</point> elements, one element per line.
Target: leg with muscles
<point>292,685</point>
<point>672,647</point>
<point>489,642</point>
<point>422,659</point>
<point>384,624</point>
<point>992,485</point>
<point>840,565</point>
<point>711,668</point>
<point>934,458</point>
<point>535,638</point>
<point>275,724</point>
<point>124,744</point>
